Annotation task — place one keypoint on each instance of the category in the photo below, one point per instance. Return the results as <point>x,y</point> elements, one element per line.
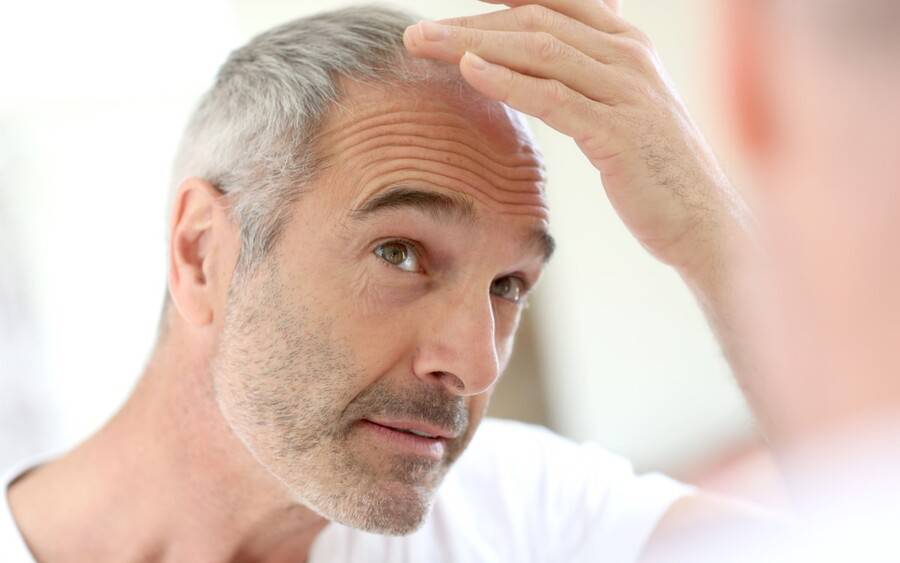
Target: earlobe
<point>196,244</point>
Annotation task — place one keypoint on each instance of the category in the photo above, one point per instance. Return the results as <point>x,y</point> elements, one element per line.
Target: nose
<point>458,347</point>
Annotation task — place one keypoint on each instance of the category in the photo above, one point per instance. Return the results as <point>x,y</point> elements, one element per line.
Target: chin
<point>392,509</point>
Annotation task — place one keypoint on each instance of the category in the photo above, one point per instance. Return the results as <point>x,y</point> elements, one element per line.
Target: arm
<point>583,70</point>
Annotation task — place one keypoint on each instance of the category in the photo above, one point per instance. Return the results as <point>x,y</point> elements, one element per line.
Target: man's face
<point>390,303</point>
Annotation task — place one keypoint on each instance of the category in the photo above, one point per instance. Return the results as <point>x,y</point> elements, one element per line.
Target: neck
<point>164,480</point>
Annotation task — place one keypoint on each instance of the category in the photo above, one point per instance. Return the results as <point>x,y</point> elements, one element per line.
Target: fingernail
<point>433,32</point>
<point>476,62</point>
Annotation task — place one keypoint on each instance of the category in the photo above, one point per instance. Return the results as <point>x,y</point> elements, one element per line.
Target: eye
<point>399,254</point>
<point>510,288</point>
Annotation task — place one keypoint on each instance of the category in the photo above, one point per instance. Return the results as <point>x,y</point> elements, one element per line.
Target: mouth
<point>408,436</point>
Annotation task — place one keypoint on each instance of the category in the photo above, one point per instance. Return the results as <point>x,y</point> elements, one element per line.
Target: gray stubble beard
<point>276,377</point>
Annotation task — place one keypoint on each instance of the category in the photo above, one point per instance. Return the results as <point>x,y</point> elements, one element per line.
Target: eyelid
<point>527,283</point>
<point>523,294</point>
<point>414,246</point>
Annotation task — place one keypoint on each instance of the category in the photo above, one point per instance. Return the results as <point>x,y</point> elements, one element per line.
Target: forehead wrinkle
<point>452,162</point>
<point>337,133</point>
<point>453,150</point>
<point>512,192</point>
<point>488,155</point>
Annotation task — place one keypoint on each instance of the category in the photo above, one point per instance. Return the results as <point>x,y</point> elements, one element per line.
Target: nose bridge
<point>460,348</point>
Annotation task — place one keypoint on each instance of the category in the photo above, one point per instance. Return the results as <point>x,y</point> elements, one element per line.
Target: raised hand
<point>583,70</point>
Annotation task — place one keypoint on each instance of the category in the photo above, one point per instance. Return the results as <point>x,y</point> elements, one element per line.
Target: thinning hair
<point>252,134</point>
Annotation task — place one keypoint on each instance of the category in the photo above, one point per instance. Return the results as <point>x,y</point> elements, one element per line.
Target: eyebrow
<point>441,207</point>
<point>545,241</point>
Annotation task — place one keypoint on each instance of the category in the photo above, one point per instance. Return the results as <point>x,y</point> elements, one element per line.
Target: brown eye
<point>510,288</point>
<point>399,254</point>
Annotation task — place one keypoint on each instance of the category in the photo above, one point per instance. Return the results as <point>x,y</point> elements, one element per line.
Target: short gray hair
<point>252,134</point>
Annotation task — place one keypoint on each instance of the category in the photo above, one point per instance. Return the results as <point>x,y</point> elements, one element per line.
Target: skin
<point>426,340</point>
<point>272,390</point>
<point>817,118</point>
<point>586,72</point>
<point>816,113</point>
<point>583,70</point>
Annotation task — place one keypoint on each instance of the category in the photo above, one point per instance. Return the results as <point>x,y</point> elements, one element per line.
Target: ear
<point>203,248</point>
<point>746,45</point>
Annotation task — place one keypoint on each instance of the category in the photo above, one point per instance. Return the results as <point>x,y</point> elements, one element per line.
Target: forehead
<point>500,128</point>
<point>439,135</point>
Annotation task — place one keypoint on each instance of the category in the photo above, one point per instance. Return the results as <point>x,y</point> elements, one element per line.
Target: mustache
<point>425,404</point>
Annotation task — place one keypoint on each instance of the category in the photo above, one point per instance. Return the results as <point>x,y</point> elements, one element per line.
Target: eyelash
<point>416,249</point>
<point>414,246</point>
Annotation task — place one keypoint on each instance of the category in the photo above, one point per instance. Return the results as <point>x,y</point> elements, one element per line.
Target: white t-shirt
<point>519,493</point>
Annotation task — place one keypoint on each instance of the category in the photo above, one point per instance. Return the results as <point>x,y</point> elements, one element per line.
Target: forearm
<point>720,251</point>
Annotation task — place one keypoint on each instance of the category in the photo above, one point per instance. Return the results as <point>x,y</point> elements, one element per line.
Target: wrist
<point>712,257</point>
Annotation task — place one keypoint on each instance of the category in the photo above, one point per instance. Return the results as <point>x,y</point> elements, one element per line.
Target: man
<point>817,113</point>
<point>355,229</point>
<point>815,101</point>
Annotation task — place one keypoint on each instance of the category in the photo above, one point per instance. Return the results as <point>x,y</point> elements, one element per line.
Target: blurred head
<point>817,98</point>
<point>353,237</point>
<point>816,85</point>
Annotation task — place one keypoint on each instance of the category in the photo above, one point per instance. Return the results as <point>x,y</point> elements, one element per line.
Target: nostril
<point>452,381</point>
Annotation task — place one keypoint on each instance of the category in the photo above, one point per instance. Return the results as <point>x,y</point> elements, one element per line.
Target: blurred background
<point>94,96</point>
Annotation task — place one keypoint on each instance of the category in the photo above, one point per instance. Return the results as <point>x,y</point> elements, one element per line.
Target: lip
<point>404,442</point>
<point>417,425</point>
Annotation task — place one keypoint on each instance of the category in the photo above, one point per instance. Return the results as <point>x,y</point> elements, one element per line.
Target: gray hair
<point>252,134</point>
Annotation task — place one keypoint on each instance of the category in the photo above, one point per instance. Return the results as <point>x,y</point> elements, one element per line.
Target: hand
<point>583,70</point>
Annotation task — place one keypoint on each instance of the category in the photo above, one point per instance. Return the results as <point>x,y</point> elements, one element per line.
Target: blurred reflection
<point>819,114</point>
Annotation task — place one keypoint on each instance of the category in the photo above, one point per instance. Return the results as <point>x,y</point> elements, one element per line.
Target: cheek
<point>376,291</point>
<point>381,329</point>
<point>284,345</point>
<point>477,407</point>
<point>504,352</point>
<point>506,326</point>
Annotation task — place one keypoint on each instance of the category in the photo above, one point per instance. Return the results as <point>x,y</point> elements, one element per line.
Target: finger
<point>595,13</point>
<point>549,100</point>
<point>599,45</point>
<point>536,54</point>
